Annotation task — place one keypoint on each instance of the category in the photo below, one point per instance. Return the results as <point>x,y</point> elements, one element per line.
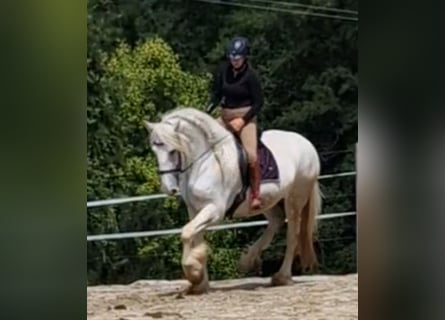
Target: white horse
<point>197,157</point>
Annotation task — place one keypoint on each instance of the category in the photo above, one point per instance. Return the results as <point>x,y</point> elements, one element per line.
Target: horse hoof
<point>245,264</point>
<point>281,280</point>
<point>249,264</point>
<point>197,289</point>
<point>193,274</point>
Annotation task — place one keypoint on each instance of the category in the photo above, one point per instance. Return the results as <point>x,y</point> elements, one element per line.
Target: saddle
<point>269,171</point>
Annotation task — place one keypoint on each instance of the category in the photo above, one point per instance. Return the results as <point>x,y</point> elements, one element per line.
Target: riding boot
<point>254,171</point>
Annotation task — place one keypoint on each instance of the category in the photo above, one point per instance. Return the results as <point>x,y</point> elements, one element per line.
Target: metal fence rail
<point>155,233</point>
<point>99,203</point>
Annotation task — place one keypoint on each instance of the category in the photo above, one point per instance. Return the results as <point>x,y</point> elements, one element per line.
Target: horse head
<point>179,141</point>
<point>167,144</point>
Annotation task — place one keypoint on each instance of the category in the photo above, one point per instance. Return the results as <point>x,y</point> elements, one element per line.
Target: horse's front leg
<point>194,256</point>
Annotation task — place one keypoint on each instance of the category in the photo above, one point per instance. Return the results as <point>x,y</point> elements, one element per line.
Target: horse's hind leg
<point>293,210</point>
<point>251,259</point>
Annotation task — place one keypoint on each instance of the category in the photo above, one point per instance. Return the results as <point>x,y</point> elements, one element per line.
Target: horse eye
<point>159,144</point>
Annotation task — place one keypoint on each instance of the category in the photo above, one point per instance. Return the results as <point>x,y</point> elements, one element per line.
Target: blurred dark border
<point>43,162</point>
<point>400,175</point>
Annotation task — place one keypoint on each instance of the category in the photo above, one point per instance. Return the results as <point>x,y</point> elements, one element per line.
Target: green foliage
<point>224,254</point>
<point>131,84</point>
<point>134,83</point>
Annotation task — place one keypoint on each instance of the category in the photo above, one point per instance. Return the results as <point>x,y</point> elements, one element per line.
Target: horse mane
<point>208,126</point>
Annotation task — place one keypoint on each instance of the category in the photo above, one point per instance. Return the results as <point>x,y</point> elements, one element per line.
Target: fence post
<point>356,203</point>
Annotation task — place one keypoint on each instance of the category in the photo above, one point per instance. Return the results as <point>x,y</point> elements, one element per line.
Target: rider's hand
<point>237,124</point>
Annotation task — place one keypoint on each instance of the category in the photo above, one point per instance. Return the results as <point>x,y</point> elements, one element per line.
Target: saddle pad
<point>268,165</point>
<point>268,171</point>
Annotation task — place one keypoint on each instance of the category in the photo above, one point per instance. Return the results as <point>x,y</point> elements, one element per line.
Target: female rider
<point>237,89</point>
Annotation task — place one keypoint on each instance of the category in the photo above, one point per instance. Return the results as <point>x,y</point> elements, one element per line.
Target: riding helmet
<point>238,47</point>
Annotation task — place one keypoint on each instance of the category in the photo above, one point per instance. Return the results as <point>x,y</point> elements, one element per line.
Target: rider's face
<point>237,61</point>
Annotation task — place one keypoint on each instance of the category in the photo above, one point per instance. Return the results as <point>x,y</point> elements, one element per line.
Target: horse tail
<point>308,225</point>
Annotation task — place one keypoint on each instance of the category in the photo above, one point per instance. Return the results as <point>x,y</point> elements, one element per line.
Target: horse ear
<point>148,125</point>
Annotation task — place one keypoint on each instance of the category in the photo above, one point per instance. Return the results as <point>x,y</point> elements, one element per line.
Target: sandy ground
<point>310,298</point>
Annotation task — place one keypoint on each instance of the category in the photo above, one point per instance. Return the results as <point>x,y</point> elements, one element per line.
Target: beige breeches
<point>248,134</point>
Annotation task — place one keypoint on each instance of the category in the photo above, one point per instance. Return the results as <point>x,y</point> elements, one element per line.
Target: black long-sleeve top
<point>237,90</point>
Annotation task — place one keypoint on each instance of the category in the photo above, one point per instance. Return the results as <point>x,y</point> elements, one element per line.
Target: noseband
<point>178,168</point>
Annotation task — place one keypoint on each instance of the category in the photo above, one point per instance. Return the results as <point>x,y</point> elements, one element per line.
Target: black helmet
<point>238,46</point>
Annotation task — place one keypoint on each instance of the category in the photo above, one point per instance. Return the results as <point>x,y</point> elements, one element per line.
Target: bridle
<point>179,170</point>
